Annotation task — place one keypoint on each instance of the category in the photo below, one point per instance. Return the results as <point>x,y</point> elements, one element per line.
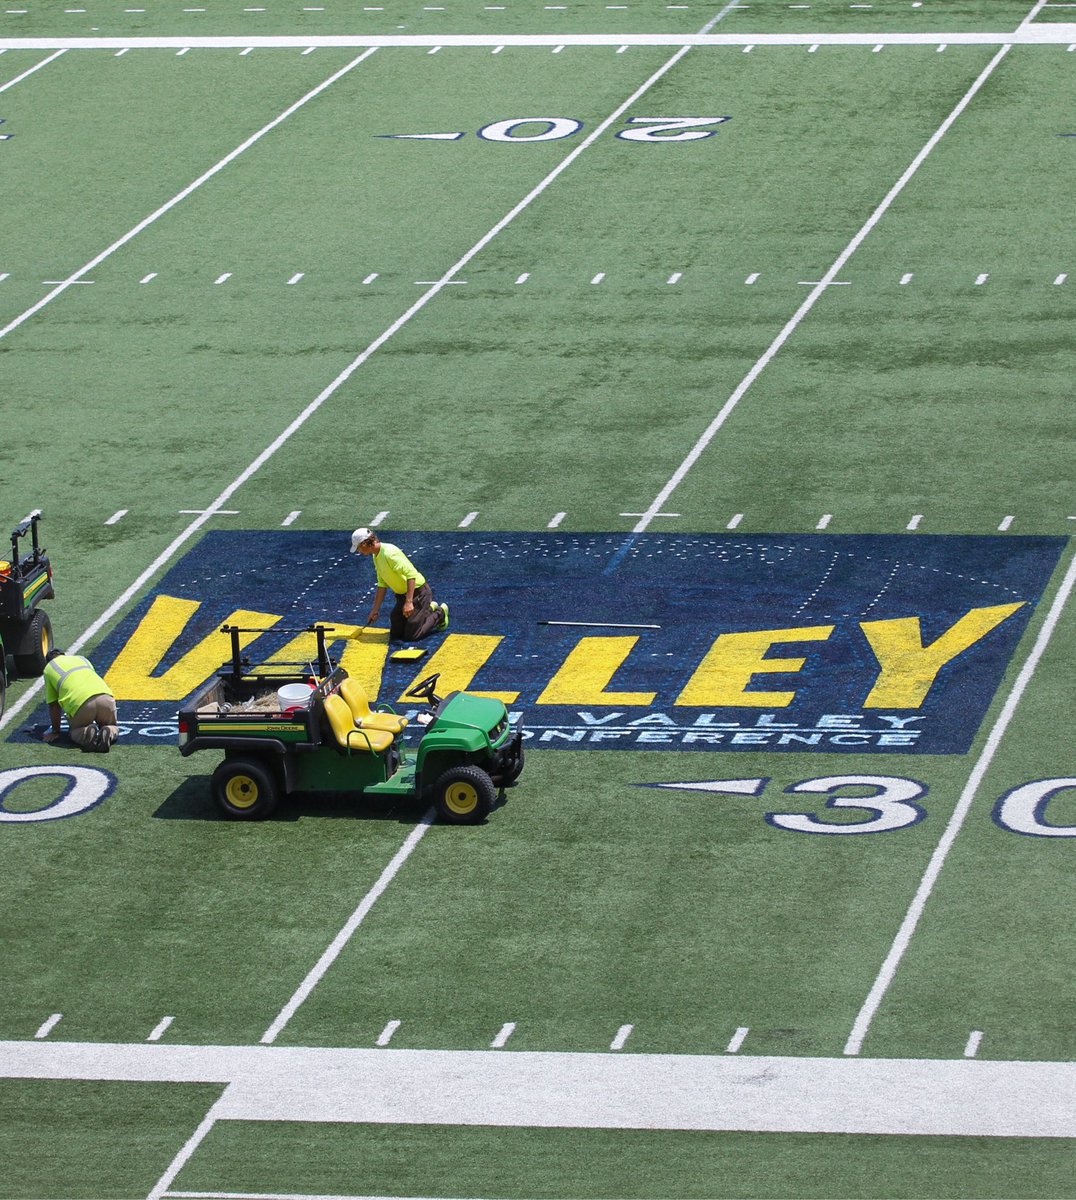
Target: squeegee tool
<point>599,625</point>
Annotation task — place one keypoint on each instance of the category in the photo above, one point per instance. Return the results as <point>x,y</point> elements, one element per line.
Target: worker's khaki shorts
<point>99,712</point>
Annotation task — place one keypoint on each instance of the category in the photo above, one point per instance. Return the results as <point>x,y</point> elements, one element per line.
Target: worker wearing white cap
<point>416,614</point>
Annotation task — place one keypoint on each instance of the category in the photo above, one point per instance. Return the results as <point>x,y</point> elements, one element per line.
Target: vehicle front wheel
<point>464,795</point>
<point>34,645</point>
<point>245,789</point>
<point>511,772</point>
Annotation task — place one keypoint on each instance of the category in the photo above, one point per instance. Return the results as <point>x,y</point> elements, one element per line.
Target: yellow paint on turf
<point>587,672</point>
<point>458,660</point>
<point>131,675</point>
<point>908,667</point>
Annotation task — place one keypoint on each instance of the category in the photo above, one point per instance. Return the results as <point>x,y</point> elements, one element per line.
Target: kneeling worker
<point>75,690</point>
<point>416,614</point>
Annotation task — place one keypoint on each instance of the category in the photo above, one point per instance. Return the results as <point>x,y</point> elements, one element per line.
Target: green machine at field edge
<point>25,630</point>
<point>313,730</point>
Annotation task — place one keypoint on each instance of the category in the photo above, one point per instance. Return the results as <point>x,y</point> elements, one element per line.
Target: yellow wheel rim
<point>241,791</point>
<point>45,640</point>
<point>461,798</point>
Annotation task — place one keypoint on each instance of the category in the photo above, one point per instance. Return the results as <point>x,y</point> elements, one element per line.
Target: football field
<point>714,362</point>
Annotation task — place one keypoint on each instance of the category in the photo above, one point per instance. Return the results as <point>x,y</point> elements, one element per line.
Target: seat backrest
<point>353,693</point>
<point>347,736</point>
<point>340,720</point>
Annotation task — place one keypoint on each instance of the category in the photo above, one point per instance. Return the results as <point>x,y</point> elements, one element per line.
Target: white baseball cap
<point>362,534</point>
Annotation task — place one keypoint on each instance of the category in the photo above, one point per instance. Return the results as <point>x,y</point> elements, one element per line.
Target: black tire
<point>3,686</point>
<point>34,645</point>
<point>464,795</point>
<point>245,789</point>
<point>515,769</point>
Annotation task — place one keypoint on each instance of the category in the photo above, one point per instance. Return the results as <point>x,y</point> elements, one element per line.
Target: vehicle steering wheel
<point>424,690</point>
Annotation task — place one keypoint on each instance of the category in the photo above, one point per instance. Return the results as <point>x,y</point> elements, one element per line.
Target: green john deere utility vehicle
<point>308,728</point>
<point>25,629</point>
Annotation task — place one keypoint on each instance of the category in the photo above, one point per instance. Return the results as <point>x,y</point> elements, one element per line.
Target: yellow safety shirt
<point>70,680</point>
<point>394,569</point>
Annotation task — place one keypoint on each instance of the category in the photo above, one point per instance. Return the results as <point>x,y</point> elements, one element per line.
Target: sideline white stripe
<point>1044,34</point>
<point>819,288</point>
<point>338,943</point>
<point>282,1196</point>
<point>941,852</point>
<point>181,196</point>
<point>597,1090</point>
<point>19,78</point>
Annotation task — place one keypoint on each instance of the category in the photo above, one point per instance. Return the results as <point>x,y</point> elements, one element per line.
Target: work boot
<point>443,624</point>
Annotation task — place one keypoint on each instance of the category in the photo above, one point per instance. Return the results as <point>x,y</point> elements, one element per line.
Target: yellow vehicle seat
<point>364,716</point>
<point>350,738</point>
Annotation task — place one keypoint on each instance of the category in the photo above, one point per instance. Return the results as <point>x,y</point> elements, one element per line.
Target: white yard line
<point>970,1097</point>
<point>1038,6</point>
<point>183,1157</point>
<point>336,946</point>
<point>180,196</point>
<point>813,296</point>
<point>937,860</point>
<point>36,67</point>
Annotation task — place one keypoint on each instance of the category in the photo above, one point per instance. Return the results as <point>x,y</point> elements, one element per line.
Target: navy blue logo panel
<point>828,643</point>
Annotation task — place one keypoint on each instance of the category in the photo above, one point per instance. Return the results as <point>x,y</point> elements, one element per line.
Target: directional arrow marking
<point>425,137</point>
<point>722,787</point>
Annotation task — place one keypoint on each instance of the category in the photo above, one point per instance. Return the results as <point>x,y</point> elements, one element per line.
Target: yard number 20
<point>653,129</point>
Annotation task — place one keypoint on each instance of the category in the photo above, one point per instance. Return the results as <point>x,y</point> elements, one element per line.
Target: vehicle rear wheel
<point>464,795</point>
<point>3,686</point>
<point>245,789</point>
<point>34,645</point>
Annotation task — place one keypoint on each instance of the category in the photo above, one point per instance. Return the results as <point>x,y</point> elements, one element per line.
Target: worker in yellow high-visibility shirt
<point>416,614</point>
<point>75,690</point>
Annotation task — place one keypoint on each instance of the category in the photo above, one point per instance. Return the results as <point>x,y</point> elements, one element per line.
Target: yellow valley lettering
<point>906,667</point>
